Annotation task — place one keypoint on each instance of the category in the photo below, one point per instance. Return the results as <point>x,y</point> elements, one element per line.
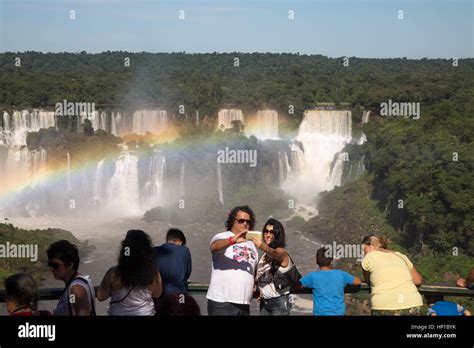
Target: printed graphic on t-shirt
<point>243,253</point>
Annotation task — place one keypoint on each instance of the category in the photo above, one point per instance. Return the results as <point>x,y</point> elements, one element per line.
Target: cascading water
<point>323,134</point>
<point>226,116</point>
<point>284,168</point>
<point>153,121</point>
<point>335,178</point>
<point>153,190</point>
<point>103,121</point>
<point>116,124</point>
<point>39,163</point>
<point>98,182</point>
<point>365,117</point>
<point>281,178</point>
<point>219,183</point>
<point>265,125</point>
<point>123,193</point>
<point>16,127</point>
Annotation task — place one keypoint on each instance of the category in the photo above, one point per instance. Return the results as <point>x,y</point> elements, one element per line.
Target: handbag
<point>284,281</point>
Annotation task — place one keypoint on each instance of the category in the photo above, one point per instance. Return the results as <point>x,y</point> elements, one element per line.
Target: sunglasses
<point>242,221</point>
<point>55,265</point>
<point>268,231</point>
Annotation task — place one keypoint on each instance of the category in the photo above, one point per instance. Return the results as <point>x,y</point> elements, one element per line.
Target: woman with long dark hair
<point>275,260</point>
<point>135,282</point>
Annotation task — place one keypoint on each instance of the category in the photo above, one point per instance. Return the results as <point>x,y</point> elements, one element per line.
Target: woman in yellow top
<point>393,279</point>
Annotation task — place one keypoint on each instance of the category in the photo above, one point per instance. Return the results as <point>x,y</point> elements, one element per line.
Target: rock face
<point>347,214</point>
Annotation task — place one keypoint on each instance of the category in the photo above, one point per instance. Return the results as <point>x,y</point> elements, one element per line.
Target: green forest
<point>420,172</point>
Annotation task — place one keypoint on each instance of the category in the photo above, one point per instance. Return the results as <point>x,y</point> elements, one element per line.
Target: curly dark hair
<point>232,215</point>
<point>136,267</point>
<point>64,251</point>
<point>278,232</point>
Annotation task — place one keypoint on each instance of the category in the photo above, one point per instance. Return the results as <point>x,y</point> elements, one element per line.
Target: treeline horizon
<point>206,82</point>
<point>422,170</point>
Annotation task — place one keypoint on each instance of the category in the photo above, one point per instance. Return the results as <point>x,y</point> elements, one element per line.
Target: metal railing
<point>197,288</point>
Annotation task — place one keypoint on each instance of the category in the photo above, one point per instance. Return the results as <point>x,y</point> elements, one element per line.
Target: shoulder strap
<point>275,269</point>
<point>123,298</point>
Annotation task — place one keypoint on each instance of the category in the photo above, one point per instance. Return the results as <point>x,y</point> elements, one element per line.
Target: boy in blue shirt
<point>438,306</point>
<point>328,286</point>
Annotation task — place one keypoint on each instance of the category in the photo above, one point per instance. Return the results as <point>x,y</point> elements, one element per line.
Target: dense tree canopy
<point>422,169</point>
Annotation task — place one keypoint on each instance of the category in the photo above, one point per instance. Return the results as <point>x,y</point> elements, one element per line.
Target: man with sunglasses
<point>78,297</point>
<point>233,266</point>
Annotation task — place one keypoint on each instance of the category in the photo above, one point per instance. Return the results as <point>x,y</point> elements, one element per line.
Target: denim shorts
<point>276,306</point>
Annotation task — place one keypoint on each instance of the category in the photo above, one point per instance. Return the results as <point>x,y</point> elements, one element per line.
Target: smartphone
<point>251,234</point>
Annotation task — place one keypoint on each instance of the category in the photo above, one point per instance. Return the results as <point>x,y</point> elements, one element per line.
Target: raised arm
<point>221,244</point>
<point>280,255</point>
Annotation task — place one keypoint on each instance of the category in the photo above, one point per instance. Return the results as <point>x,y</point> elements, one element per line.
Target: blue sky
<point>362,28</point>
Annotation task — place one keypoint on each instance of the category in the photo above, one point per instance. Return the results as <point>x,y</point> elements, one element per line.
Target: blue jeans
<point>276,306</point>
<point>227,308</point>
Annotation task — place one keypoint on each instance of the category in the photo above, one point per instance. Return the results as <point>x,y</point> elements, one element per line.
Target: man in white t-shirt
<point>234,260</point>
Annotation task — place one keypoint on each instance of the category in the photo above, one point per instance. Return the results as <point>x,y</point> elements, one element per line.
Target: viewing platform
<point>197,288</point>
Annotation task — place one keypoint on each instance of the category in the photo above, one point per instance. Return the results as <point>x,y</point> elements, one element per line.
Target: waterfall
<point>281,178</point>
<point>181,180</point>
<point>365,117</point>
<point>153,190</point>
<point>16,127</point>
<point>335,178</point>
<point>123,194</point>
<point>265,125</point>
<point>116,124</point>
<point>69,186</point>
<point>39,158</point>
<point>98,119</point>
<point>219,183</point>
<point>113,125</point>
<point>354,170</point>
<point>153,121</point>
<point>6,121</point>
<point>362,139</point>
<point>297,160</point>
<point>162,174</point>
<point>103,121</point>
<point>323,134</point>
<point>226,116</point>
<point>98,182</point>
<point>16,170</point>
<point>283,168</point>
<point>20,171</point>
